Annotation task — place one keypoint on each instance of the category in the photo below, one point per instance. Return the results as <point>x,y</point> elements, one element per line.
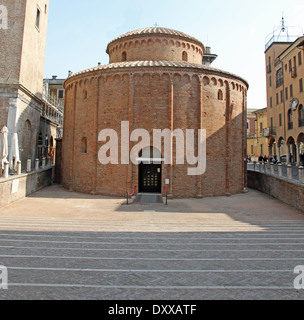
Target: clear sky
<point>79,32</point>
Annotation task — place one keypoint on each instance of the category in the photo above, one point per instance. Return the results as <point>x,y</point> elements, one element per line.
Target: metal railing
<point>287,171</point>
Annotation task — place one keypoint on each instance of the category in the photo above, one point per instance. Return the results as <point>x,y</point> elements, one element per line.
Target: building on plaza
<point>31,119</point>
<point>157,78</point>
<point>285,93</point>
<point>257,133</point>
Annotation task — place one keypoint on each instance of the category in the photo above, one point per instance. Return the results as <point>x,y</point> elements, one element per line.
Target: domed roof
<point>157,31</point>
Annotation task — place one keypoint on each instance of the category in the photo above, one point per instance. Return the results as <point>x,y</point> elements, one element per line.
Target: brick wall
<point>144,97</point>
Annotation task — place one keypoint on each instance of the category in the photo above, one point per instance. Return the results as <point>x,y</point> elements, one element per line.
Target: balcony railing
<point>268,132</point>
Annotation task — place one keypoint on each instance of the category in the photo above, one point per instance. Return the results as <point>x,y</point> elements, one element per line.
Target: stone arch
<point>171,43</point>
<point>117,77</point>
<point>206,81</point>
<point>187,77</point>
<point>165,75</point>
<point>300,138</point>
<point>178,44</point>
<point>150,42</point>
<point>165,42</point>
<point>213,81</point>
<point>220,83</point>
<point>177,77</point>
<point>158,41</point>
<point>125,76</point>
<point>155,76</point>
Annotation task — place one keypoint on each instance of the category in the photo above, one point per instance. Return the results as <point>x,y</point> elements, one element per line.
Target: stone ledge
<point>287,191</point>
<point>18,187</point>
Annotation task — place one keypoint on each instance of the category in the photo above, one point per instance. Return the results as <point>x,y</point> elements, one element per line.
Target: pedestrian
<point>265,159</point>
<point>260,158</point>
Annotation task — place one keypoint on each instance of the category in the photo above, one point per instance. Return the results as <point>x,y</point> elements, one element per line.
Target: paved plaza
<point>62,245</point>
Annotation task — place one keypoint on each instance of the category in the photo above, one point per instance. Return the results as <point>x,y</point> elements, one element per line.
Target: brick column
<point>201,103</point>
<point>130,182</point>
<point>172,129</point>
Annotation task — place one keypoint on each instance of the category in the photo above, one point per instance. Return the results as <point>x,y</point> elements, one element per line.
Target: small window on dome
<point>185,56</point>
<point>84,145</point>
<point>124,56</point>
<point>220,95</point>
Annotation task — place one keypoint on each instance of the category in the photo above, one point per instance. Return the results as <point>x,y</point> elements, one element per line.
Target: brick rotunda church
<point>157,78</point>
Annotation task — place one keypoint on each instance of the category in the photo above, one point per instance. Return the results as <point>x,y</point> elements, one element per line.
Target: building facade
<point>23,107</point>
<point>285,98</point>
<point>258,133</point>
<point>155,80</point>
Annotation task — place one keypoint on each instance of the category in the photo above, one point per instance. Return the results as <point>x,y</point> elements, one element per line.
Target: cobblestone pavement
<point>61,245</point>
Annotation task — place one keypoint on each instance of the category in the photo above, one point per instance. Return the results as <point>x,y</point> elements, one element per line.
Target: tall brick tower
<point>22,106</point>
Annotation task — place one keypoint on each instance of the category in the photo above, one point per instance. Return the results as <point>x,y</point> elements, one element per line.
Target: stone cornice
<point>151,66</point>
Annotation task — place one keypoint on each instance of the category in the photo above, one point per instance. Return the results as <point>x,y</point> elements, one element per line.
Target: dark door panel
<point>150,178</point>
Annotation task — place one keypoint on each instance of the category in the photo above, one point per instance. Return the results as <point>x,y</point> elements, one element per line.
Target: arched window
<point>185,56</point>
<point>124,56</point>
<point>290,120</point>
<point>220,95</point>
<point>85,94</point>
<point>301,116</point>
<point>84,145</point>
<point>279,77</point>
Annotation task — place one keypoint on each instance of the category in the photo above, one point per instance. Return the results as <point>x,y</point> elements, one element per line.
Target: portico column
<point>288,153</point>
<point>279,152</point>
<point>298,153</point>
